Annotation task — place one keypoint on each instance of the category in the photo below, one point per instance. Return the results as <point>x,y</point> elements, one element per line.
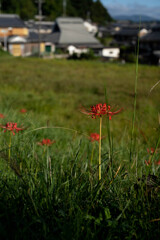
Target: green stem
<point>135,104</point>
<point>93,147</point>
<point>9,151</point>
<point>100,136</point>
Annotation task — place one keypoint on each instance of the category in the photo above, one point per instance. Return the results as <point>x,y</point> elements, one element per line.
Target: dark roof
<point>151,37</point>
<point>53,37</point>
<point>11,20</point>
<point>34,37</point>
<point>156,28</point>
<point>127,32</point>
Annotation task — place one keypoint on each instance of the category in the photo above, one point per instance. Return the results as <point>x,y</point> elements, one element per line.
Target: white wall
<point>111,52</point>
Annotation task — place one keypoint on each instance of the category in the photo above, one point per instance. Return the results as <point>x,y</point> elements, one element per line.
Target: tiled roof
<point>53,37</point>
<point>128,32</point>
<point>11,20</point>
<point>151,37</point>
<point>72,31</point>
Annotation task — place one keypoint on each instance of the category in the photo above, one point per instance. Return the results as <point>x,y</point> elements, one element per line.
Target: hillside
<point>52,9</point>
<point>135,18</point>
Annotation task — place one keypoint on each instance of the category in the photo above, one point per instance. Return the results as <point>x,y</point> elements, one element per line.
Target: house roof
<point>151,37</point>
<point>53,37</point>
<point>73,32</point>
<point>11,20</point>
<point>128,32</point>
<point>34,25</point>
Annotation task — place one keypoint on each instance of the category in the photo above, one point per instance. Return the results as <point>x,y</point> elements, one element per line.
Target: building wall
<point>5,32</point>
<point>111,52</point>
<point>25,49</point>
<point>16,49</point>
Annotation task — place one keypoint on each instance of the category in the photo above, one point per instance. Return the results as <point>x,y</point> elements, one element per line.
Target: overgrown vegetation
<point>52,191</point>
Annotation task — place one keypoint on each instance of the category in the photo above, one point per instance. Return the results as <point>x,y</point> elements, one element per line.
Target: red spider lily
<point>151,151</point>
<point>100,110</point>
<point>158,163</point>
<point>1,115</point>
<point>94,137</point>
<point>149,162</point>
<point>11,126</point>
<point>23,110</point>
<point>46,142</point>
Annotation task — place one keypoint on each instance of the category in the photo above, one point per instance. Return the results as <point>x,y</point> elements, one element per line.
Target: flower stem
<point>93,147</point>
<point>100,136</point>
<point>9,151</point>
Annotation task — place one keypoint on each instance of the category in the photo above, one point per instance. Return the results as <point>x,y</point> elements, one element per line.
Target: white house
<point>90,27</point>
<point>72,49</point>
<point>111,52</point>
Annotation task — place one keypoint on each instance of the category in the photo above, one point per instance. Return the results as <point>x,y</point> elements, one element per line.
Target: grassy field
<point>53,192</point>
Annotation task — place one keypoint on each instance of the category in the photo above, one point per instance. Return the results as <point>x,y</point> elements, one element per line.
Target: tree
<point>99,13</point>
<point>26,9</point>
<point>82,7</point>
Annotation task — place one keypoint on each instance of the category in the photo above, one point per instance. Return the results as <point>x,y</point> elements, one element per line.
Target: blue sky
<point>131,7</point>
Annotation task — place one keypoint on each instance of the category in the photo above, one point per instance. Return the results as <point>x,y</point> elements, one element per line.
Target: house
<point>11,25</point>
<point>151,40</point>
<point>126,36</point>
<point>91,28</point>
<point>44,27</point>
<point>111,52</point>
<point>70,31</point>
<point>150,46</point>
<point>16,37</point>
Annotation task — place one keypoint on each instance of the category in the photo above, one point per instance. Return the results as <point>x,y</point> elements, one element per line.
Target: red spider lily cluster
<point>23,110</point>
<point>94,137</point>
<point>158,163</point>
<point>1,115</point>
<point>151,152</point>
<point>149,163</point>
<point>11,126</point>
<point>100,110</point>
<point>46,142</point>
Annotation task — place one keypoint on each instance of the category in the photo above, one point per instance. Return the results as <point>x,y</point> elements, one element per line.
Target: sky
<point>132,7</point>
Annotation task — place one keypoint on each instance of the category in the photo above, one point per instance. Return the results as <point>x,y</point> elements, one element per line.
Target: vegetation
<point>4,53</point>
<point>52,9</point>
<point>49,184</point>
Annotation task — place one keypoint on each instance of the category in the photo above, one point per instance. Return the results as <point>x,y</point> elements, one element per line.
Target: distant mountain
<point>135,18</point>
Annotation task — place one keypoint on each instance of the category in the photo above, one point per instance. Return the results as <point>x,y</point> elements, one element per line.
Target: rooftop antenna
<point>64,8</point>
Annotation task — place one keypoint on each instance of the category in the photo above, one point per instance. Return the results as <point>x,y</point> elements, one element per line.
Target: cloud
<point>121,9</point>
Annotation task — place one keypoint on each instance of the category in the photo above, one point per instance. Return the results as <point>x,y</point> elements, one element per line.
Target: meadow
<point>51,190</point>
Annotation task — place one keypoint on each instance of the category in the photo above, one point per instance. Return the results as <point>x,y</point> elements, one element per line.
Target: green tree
<point>82,7</point>
<point>54,9</point>
<point>26,9</point>
<point>99,13</point>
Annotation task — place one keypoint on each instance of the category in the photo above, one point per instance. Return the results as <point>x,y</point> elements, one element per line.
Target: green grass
<point>66,200</point>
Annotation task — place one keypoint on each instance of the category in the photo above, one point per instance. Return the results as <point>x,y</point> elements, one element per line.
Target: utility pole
<point>0,7</point>
<point>39,17</point>
<point>64,8</point>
